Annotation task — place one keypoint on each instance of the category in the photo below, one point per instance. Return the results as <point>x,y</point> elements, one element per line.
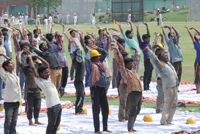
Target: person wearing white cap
<point>75,19</point>
<point>159,17</point>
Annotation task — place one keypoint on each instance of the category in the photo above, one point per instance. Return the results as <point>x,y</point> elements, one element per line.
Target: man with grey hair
<point>170,83</point>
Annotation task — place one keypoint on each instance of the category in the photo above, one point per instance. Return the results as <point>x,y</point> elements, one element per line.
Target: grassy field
<point>189,54</point>
<point>171,16</point>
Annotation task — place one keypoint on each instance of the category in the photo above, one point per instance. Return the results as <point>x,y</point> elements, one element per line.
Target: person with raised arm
<point>12,94</point>
<point>77,59</point>
<point>75,37</point>
<point>97,82</point>
<point>148,68</point>
<point>33,98</point>
<point>174,46</point>
<point>196,42</point>
<point>127,68</point>
<point>130,41</point>
<point>170,83</point>
<point>43,80</point>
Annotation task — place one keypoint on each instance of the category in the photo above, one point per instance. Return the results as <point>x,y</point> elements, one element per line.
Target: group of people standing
<point>42,65</point>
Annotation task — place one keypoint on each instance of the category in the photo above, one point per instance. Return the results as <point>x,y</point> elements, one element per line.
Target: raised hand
<point>136,25</point>
<point>133,48</point>
<point>157,34</point>
<point>145,23</point>
<point>118,23</point>
<point>62,25</point>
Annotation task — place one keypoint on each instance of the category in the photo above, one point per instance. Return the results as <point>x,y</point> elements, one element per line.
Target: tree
<point>45,3</point>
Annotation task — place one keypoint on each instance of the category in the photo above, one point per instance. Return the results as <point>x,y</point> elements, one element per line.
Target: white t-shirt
<point>38,16</point>
<point>75,18</point>
<point>50,91</point>
<point>5,16</point>
<point>13,18</point>
<point>129,17</point>
<point>67,16</point>
<point>50,19</point>
<point>26,18</point>
<point>12,92</point>
<point>46,21</point>
<point>20,18</point>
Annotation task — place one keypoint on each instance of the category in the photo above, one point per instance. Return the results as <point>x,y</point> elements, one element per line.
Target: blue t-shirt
<point>143,45</point>
<point>175,49</point>
<point>196,47</point>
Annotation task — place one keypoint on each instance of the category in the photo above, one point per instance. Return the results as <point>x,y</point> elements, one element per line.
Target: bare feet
<point>1,99</point>
<point>108,131</point>
<point>31,123</point>
<point>132,130</point>
<point>122,121</point>
<point>98,132</point>
<point>39,123</point>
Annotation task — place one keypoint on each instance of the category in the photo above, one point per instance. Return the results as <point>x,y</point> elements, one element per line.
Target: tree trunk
<point>47,10</point>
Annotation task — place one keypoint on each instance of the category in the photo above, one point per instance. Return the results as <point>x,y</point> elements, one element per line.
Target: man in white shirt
<point>38,19</point>
<point>5,18</point>
<point>129,17</point>
<point>42,78</point>
<point>93,20</point>
<point>50,20</point>
<point>67,18</point>
<point>26,19</point>
<point>12,20</point>
<point>20,21</point>
<point>75,19</point>
<point>46,24</point>
<point>12,95</point>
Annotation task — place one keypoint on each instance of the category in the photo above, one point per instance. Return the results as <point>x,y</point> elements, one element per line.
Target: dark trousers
<point>33,104</point>
<point>178,68</point>
<point>64,77</point>
<point>135,102</point>
<point>148,68</point>
<point>11,115</point>
<point>72,71</point>
<point>99,100</point>
<point>79,96</point>
<point>158,21</point>
<point>54,118</point>
<point>115,74</point>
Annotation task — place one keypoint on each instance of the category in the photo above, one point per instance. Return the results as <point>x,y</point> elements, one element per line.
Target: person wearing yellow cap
<point>97,82</point>
<point>157,50</point>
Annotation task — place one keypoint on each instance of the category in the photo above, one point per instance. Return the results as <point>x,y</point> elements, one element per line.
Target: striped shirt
<point>77,54</point>
<point>133,82</point>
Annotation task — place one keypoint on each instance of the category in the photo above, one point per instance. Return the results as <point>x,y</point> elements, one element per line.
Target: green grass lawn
<point>181,15</point>
<point>189,54</point>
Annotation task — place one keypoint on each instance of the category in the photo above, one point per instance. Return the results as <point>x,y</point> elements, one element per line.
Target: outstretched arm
<point>120,27</point>
<point>157,36</point>
<point>191,36</point>
<point>137,26</point>
<point>147,28</point>
<point>175,30</point>
<point>162,38</point>
<point>195,30</point>
<point>131,25</point>
<point>20,33</point>
<point>113,29</point>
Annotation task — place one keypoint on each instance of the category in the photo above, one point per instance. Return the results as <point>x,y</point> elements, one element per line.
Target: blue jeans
<point>1,87</point>
<point>138,65</point>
